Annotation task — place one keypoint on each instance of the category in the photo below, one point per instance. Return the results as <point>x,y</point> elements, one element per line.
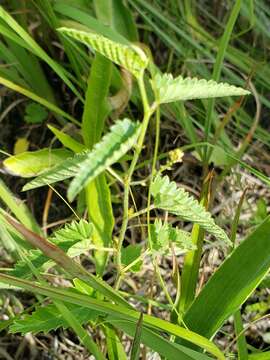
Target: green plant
<point>90,162</point>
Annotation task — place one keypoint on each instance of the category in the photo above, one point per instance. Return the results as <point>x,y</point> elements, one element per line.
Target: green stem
<point>148,111</point>
<point>153,169</point>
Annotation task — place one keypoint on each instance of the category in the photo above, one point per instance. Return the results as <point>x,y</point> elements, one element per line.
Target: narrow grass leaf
<point>136,345</point>
<point>259,356</point>
<point>117,16</point>
<point>225,292</point>
<point>55,109</point>
<point>67,140</point>
<point>219,60</point>
<point>164,347</point>
<point>36,49</point>
<point>83,335</point>
<point>97,192</point>
<point>18,208</point>
<point>80,16</point>
<point>115,347</point>
<point>117,311</point>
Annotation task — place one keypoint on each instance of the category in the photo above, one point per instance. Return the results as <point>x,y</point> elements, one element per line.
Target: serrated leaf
<point>177,201</point>
<point>48,318</point>
<point>33,163</point>
<point>74,239</point>
<point>130,57</point>
<point>162,235</point>
<point>129,254</point>
<point>171,89</point>
<point>110,149</point>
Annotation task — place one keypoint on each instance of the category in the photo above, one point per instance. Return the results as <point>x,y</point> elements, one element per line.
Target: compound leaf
<point>47,318</point>
<point>111,148</point>
<point>177,201</point>
<point>163,235</point>
<point>74,239</point>
<point>130,57</point>
<point>169,89</point>
<point>89,164</point>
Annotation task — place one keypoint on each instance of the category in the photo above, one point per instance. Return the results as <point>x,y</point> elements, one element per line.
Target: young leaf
<point>48,318</point>
<point>74,239</point>
<point>162,235</point>
<point>111,148</point>
<point>33,163</point>
<point>171,89</point>
<point>130,57</point>
<point>177,201</point>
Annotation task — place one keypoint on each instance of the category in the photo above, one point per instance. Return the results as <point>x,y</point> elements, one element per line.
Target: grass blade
<point>38,99</point>
<point>192,259</point>
<point>225,292</point>
<point>98,196</point>
<point>36,49</point>
<point>219,60</point>
<point>118,312</point>
<point>18,208</point>
<point>135,350</point>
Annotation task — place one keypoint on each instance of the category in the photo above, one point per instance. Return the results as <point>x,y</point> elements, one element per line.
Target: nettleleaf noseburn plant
<point>124,135</point>
<point>166,89</point>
